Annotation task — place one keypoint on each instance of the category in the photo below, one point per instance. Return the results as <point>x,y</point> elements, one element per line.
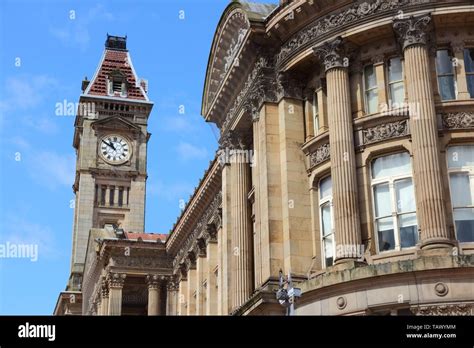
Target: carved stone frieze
<point>458,120</point>
<point>413,30</point>
<point>358,12</point>
<point>384,131</point>
<point>183,257</point>
<point>321,154</point>
<point>258,87</point>
<point>443,310</point>
<point>139,261</point>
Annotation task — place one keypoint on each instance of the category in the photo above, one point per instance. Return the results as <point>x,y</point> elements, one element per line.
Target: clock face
<point>114,149</point>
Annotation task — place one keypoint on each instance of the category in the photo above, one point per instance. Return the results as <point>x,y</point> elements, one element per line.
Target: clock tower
<point>110,139</point>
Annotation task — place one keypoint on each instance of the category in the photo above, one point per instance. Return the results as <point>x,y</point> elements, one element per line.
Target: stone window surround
<point>390,180</point>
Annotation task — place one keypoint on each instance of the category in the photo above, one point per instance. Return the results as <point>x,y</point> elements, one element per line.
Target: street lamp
<point>286,293</point>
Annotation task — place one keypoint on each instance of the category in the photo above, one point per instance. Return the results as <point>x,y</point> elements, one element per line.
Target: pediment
<point>115,122</point>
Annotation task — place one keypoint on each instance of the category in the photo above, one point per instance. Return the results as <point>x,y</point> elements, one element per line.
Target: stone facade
<point>346,128</point>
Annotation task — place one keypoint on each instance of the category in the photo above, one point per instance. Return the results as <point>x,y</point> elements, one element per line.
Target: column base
<point>437,243</point>
<point>347,263</point>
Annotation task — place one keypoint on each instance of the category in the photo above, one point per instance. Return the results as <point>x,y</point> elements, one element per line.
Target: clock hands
<point>109,144</point>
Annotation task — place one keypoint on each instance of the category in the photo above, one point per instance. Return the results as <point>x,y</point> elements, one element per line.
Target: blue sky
<point>44,55</point>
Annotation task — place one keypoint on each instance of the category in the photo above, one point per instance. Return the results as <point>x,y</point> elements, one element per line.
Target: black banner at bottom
<point>22,331</point>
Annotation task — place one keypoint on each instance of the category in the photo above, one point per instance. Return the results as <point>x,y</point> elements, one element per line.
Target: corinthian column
<point>153,282</point>
<point>341,140</point>
<point>241,253</point>
<point>116,281</point>
<point>412,33</point>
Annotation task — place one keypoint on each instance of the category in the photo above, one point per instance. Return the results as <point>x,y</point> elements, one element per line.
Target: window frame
<point>468,74</point>
<point>391,180</point>
<point>469,170</point>
<point>316,113</point>
<point>453,73</point>
<point>322,201</point>
<point>366,91</point>
<point>389,83</point>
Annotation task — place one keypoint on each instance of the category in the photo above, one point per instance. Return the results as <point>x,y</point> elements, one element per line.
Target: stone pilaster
<point>224,243</point>
<point>431,214</point>
<point>116,282</point>
<point>201,267</point>
<point>172,299</point>
<point>341,140</point>
<point>212,262</point>
<point>153,282</point>
<point>242,248</point>
<point>295,202</point>
<point>461,81</point>
<point>104,292</point>
<point>191,289</point>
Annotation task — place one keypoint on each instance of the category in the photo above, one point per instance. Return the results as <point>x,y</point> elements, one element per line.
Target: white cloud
<point>41,124</point>
<point>26,92</point>
<point>172,192</point>
<point>18,230</point>
<point>52,169</point>
<point>76,33</point>
<point>178,124</point>
<point>188,151</point>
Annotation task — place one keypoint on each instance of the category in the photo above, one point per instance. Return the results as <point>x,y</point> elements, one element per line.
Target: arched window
<point>326,222</point>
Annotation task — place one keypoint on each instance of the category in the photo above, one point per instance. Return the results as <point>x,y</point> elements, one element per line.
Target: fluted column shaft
<point>116,282</point>
<point>429,187</point>
<point>153,295</point>
<point>431,212</point>
<point>242,260</point>
<point>343,168</point>
<point>341,142</point>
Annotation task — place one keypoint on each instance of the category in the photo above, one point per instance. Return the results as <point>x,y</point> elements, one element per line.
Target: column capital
<point>153,281</point>
<point>172,284</point>
<point>289,86</point>
<point>104,288</point>
<point>458,46</point>
<point>332,54</point>
<point>116,280</point>
<point>233,140</point>
<point>201,245</point>
<point>413,30</point>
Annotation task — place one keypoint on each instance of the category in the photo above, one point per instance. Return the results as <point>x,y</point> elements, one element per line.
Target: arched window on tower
<point>117,84</point>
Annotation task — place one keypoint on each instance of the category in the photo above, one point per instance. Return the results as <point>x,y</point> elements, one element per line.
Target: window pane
<point>325,187</point>
<point>395,71</point>
<point>446,87</point>
<point>464,220</point>
<point>370,77</point>
<point>405,196</point>
<point>444,65</point>
<point>385,234</point>
<point>469,60</point>
<point>326,219</point>
<point>372,101</point>
<point>397,93</point>
<point>328,250</point>
<point>408,230</point>
<point>461,156</point>
<point>470,84</point>
<point>460,190</point>
<point>382,200</point>
<point>396,164</point>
